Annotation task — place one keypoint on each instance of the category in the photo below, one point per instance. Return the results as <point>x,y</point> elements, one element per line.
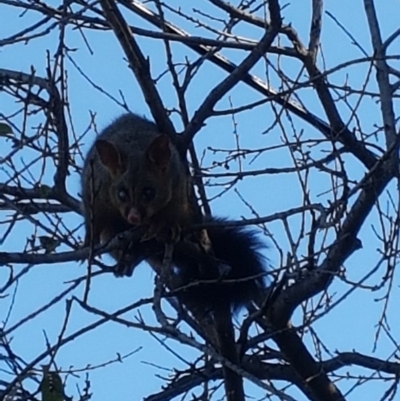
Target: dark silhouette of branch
<point>140,66</point>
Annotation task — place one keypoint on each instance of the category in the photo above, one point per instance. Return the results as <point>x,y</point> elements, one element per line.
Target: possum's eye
<point>122,195</point>
<point>148,194</point>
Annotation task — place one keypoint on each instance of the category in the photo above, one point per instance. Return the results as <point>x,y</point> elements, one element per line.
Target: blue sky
<point>349,326</point>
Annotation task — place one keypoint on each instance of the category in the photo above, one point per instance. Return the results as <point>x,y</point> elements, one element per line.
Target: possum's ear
<point>159,152</point>
<point>110,157</point>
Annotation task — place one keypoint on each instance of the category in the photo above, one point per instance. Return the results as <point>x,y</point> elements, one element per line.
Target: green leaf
<point>44,191</point>
<point>52,388</point>
<point>5,130</point>
<point>49,243</point>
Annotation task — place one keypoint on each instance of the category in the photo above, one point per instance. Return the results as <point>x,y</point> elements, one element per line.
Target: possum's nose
<point>134,216</point>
